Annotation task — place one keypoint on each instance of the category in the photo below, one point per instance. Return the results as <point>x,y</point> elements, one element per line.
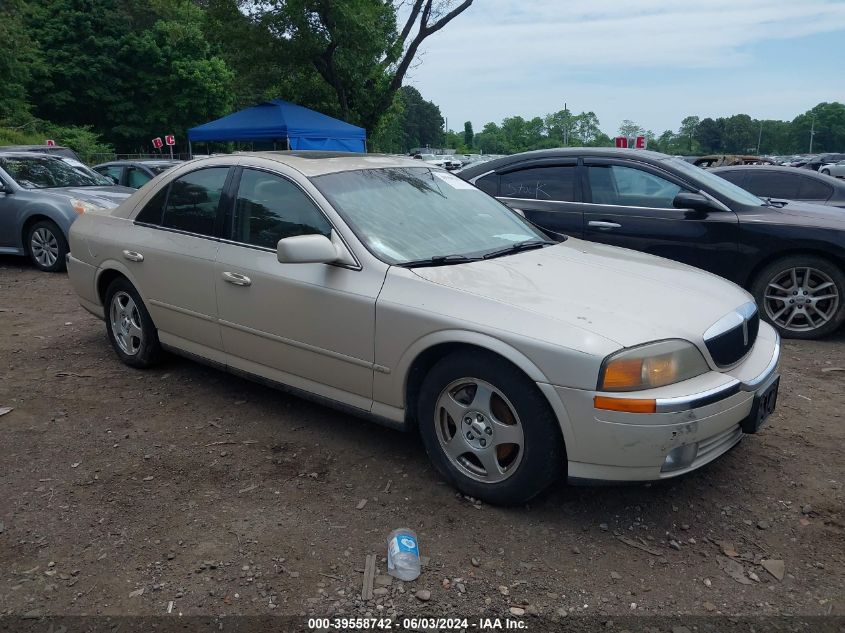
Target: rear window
<point>773,184</point>
<point>812,189</point>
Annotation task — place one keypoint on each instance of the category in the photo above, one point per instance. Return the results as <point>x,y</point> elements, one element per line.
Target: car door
<point>310,326</point>
<point>630,204</point>
<point>9,229</point>
<point>171,257</point>
<point>548,192</point>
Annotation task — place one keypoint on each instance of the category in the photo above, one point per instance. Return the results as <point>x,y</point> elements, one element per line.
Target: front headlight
<point>81,206</point>
<point>651,365</point>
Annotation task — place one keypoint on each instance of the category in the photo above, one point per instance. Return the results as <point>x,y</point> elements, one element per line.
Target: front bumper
<point>704,414</point>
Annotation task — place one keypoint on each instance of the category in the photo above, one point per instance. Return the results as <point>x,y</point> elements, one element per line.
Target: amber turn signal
<point>628,405</point>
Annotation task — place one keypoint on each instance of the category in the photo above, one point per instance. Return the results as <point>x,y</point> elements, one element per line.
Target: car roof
<point>25,154</point>
<point>142,161</point>
<point>317,163</point>
<point>563,152</point>
<point>31,148</point>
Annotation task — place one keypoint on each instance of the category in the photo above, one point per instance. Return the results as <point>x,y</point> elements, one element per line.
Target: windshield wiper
<point>517,247</point>
<point>438,260</point>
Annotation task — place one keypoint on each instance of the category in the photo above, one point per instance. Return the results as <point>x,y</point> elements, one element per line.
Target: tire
<point>47,246</point>
<point>130,329</point>
<point>500,403</point>
<point>816,309</point>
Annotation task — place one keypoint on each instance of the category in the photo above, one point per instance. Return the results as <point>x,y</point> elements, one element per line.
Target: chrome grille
<point>731,338</point>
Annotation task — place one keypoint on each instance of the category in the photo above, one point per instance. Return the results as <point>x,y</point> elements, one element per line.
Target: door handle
<point>604,225</point>
<point>237,279</point>
<point>133,256</point>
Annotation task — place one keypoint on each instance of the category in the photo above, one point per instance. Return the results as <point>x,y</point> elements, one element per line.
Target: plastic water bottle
<point>403,554</point>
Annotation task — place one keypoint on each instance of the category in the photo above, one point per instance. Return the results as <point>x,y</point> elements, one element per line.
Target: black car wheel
<point>802,296</point>
<point>131,331</point>
<point>488,429</point>
<point>47,246</point>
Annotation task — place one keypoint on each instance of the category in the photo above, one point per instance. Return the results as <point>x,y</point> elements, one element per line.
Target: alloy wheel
<point>126,323</point>
<point>479,430</point>
<point>801,299</point>
<point>44,246</point>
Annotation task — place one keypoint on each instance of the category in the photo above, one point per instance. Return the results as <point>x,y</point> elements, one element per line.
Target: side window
<point>814,190</point>
<point>489,184</point>
<point>152,212</point>
<point>194,199</point>
<point>269,208</point>
<point>771,184</point>
<point>630,187</point>
<point>736,177</point>
<point>539,183</point>
<point>136,178</point>
<point>111,171</point>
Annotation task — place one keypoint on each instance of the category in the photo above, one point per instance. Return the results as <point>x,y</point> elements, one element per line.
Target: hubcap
<point>126,323</point>
<point>44,246</point>
<point>479,430</point>
<point>801,299</point>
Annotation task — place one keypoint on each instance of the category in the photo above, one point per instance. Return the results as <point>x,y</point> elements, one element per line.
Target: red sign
<point>621,141</point>
<point>157,142</point>
<point>51,142</point>
<point>640,142</point>
<point>170,139</point>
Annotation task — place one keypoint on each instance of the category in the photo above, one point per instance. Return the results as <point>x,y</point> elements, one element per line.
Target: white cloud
<point>505,57</point>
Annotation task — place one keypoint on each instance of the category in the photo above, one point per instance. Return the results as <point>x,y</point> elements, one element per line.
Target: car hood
<point>107,197</point>
<point>621,295</point>
<point>818,214</point>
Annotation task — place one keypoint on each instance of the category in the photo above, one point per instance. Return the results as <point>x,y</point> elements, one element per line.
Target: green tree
<point>20,58</point>
<point>630,129</point>
<point>709,135</point>
<point>421,122</point>
<point>827,122</point>
<point>687,130</point>
<point>468,135</point>
<point>356,46</point>
<point>739,134</point>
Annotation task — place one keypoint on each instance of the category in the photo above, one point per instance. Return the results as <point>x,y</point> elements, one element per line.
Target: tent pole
<point>190,151</point>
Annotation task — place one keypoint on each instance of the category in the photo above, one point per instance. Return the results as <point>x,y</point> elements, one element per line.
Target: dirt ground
<point>186,490</point>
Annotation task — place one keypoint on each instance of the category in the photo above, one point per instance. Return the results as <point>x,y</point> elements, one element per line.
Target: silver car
<point>40,197</point>
<point>395,290</point>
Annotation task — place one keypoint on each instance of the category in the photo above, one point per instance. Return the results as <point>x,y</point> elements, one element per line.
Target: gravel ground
<point>185,490</point>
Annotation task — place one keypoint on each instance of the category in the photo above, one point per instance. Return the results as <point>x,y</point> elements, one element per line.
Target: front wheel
<point>802,296</point>
<point>47,246</point>
<point>488,429</point>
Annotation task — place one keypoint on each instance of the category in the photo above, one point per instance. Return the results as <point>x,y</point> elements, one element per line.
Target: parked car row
<point>789,255</point>
<point>397,291</point>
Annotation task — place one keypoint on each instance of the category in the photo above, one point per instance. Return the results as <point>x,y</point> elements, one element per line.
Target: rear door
<point>630,204</point>
<point>137,177</point>
<point>547,191</point>
<point>171,257</point>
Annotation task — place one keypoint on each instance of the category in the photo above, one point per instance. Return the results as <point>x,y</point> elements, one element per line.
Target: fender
<point>390,384</point>
<point>114,264</point>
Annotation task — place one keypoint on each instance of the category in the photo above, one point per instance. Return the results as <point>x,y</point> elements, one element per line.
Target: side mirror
<point>306,249</point>
<point>694,201</point>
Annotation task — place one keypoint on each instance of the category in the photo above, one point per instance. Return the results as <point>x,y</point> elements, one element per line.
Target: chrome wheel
<point>126,323</point>
<point>44,247</point>
<point>479,430</point>
<point>801,299</point>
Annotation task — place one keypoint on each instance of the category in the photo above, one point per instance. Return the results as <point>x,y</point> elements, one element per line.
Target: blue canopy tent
<point>282,122</point>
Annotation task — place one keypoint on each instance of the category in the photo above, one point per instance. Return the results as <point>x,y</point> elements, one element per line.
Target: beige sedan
<point>397,291</point>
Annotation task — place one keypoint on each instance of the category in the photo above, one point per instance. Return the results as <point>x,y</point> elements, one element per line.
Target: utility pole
<point>759,137</point>
<point>566,125</point>
<point>812,133</point>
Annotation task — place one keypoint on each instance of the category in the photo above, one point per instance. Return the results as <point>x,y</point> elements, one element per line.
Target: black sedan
<point>134,173</point>
<point>791,256</point>
<point>787,183</point>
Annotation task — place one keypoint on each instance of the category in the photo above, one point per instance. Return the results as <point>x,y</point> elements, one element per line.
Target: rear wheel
<point>488,429</point>
<point>47,246</point>
<point>130,329</point>
<point>802,296</point>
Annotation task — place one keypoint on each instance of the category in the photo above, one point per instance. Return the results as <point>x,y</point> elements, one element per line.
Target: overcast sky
<point>652,61</point>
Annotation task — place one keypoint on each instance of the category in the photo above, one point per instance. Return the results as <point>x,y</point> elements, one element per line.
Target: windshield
<point>42,172</point>
<point>407,214</point>
<point>717,184</point>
